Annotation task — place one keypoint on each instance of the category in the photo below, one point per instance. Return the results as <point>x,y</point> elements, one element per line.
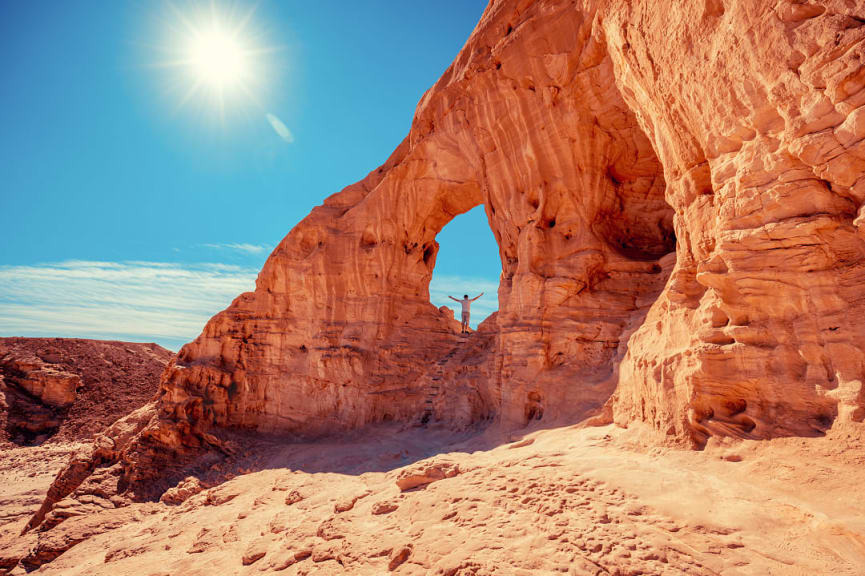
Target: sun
<point>217,56</point>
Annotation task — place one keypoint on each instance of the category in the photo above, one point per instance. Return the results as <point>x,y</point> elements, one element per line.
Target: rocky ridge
<point>67,389</point>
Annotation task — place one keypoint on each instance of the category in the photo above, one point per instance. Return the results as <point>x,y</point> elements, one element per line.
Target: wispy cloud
<point>146,301</point>
<point>164,302</point>
<point>443,286</point>
<point>280,128</point>
<point>240,247</point>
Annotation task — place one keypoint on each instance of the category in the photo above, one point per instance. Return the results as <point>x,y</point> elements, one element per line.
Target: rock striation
<point>529,123</point>
<point>676,190</point>
<point>761,133</point>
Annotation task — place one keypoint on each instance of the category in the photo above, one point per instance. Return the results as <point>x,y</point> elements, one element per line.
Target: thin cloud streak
<point>153,301</point>
<point>150,301</point>
<point>240,247</point>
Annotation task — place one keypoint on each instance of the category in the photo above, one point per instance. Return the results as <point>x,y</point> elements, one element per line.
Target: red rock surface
<point>761,134</point>
<point>66,389</point>
<point>529,122</point>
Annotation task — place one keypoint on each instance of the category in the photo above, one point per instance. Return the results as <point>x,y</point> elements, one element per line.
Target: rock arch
<point>340,324</point>
<point>591,159</point>
<point>338,332</point>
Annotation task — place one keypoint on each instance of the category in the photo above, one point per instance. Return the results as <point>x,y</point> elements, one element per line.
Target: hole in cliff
<point>428,253</point>
<point>534,409</point>
<point>736,406</point>
<point>466,263</point>
<point>747,424</point>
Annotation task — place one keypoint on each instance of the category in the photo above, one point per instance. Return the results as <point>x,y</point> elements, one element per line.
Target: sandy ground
<point>566,500</point>
<point>25,475</point>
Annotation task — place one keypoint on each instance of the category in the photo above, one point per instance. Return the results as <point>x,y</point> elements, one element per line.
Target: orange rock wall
<point>760,132</point>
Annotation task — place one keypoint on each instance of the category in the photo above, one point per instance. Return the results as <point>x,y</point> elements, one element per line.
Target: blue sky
<point>129,213</point>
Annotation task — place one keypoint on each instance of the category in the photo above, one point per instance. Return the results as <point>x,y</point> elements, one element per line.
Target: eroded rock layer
<point>528,122</point>
<point>757,111</point>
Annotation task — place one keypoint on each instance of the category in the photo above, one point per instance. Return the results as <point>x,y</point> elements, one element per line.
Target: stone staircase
<point>436,376</point>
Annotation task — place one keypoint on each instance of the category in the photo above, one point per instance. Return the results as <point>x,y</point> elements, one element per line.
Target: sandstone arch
<point>573,124</point>
<point>340,324</point>
<point>338,332</point>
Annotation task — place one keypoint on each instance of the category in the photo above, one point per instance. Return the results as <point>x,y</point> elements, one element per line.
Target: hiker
<point>466,303</point>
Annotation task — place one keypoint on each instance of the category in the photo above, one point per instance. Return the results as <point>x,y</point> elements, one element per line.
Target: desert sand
<point>570,500</point>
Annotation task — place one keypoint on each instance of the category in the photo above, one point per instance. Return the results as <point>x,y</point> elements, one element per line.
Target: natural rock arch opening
<point>466,261</point>
<point>340,330</point>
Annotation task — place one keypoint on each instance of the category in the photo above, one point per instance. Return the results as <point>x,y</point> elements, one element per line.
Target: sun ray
<point>247,18</point>
<point>189,94</point>
<point>182,18</point>
<point>216,52</point>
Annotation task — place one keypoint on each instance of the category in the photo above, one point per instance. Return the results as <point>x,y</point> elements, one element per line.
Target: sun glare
<point>217,55</point>
<point>218,58</point>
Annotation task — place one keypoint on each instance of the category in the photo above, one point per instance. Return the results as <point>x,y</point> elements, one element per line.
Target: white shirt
<point>466,303</point>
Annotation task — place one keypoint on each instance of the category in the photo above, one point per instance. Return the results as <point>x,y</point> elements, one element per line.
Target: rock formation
<point>676,190</point>
<point>528,122</point>
<point>70,389</point>
<point>762,137</point>
<point>713,151</point>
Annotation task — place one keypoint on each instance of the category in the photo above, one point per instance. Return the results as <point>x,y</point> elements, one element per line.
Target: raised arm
<point>452,298</point>
<point>478,296</point>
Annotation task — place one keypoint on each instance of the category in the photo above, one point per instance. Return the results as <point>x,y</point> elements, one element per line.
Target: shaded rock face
<point>705,161</point>
<point>70,389</point>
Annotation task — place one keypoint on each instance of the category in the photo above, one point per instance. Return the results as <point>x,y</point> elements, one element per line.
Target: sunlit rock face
<point>757,113</point>
<point>676,190</point>
<point>710,153</point>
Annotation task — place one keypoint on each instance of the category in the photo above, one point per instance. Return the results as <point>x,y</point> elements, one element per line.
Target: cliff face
<point>760,132</point>
<point>710,153</point>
